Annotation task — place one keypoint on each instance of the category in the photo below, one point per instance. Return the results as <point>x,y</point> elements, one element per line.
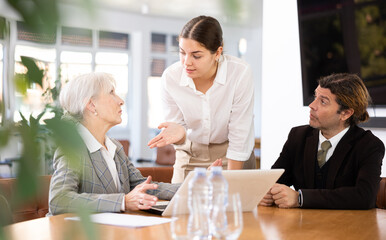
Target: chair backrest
<point>158,174</point>
<point>381,197</point>
<point>166,155</point>
<point>31,209</point>
<point>125,145</point>
<point>6,214</point>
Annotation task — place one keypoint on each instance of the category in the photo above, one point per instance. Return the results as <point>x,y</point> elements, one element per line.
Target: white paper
<point>124,220</point>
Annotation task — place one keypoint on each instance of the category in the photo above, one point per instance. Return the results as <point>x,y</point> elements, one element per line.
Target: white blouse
<point>224,113</point>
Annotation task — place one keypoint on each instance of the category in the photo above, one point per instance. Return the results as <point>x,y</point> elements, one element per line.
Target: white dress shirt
<point>224,112</point>
<point>334,142</point>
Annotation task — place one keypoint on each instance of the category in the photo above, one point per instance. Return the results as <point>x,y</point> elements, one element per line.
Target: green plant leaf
<point>21,83</point>
<point>39,15</point>
<point>29,162</point>
<point>88,226</point>
<point>34,74</point>
<point>66,136</point>
<point>4,136</point>
<point>4,27</point>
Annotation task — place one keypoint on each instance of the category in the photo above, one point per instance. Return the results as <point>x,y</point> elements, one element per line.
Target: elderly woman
<point>104,179</point>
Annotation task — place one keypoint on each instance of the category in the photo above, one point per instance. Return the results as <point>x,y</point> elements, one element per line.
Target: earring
<point>95,113</point>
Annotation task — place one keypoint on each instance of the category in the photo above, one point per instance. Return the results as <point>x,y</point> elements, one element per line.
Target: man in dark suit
<point>331,163</point>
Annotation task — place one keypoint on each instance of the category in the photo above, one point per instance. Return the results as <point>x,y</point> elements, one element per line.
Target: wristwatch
<point>300,198</point>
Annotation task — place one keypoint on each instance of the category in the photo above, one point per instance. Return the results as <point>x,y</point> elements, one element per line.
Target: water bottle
<point>199,203</point>
<point>218,216</point>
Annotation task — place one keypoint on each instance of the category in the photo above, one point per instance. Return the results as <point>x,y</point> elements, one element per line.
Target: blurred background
<point>288,43</point>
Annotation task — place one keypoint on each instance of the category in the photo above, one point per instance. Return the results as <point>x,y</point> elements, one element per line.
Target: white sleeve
<point>241,131</point>
<point>172,112</point>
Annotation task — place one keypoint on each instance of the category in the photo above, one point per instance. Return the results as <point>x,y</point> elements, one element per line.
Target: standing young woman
<point>208,103</point>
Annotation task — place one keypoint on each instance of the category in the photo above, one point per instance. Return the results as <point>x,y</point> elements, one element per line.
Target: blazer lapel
<point>338,156</point>
<point>120,159</point>
<point>103,172</point>
<point>310,151</point>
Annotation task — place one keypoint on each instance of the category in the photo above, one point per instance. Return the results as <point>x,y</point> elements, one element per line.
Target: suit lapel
<point>103,172</point>
<point>123,172</point>
<point>338,156</point>
<point>310,151</point>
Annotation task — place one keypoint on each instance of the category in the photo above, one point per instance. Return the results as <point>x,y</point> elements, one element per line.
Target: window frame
<point>12,41</point>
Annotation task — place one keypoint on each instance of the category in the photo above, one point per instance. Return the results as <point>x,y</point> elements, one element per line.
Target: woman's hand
<point>138,199</point>
<point>171,133</point>
<point>217,163</point>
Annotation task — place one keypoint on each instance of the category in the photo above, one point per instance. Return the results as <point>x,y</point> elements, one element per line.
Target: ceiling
<point>238,12</point>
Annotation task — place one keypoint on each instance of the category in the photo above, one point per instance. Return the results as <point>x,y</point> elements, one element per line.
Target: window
<point>1,82</point>
<point>158,42</point>
<point>157,67</point>
<point>33,102</point>
<point>114,59</point>
<point>74,64</point>
<point>117,65</point>
<point>164,53</point>
<point>76,36</point>
<point>113,40</point>
<point>64,55</point>
<point>46,36</point>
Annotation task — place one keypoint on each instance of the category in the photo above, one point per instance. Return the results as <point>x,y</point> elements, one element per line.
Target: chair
<point>126,145</point>
<point>6,214</point>
<point>166,155</point>
<point>256,150</point>
<point>30,209</point>
<point>381,197</point>
<point>158,174</point>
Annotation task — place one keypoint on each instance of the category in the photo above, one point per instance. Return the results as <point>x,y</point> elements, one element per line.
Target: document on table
<point>124,220</point>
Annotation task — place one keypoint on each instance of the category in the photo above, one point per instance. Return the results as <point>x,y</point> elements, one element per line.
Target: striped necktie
<point>323,152</point>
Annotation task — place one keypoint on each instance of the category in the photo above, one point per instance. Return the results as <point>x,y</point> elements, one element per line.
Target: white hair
<point>77,92</point>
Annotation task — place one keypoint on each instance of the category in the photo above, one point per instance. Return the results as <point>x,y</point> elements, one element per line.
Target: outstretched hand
<point>171,133</point>
<point>138,199</point>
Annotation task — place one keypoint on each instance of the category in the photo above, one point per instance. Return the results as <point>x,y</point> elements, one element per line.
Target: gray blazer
<point>87,182</point>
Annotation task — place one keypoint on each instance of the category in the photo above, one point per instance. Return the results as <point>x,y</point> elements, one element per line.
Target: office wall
<point>282,106</point>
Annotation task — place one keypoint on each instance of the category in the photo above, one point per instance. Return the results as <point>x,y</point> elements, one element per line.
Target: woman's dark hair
<point>205,30</point>
<point>350,92</point>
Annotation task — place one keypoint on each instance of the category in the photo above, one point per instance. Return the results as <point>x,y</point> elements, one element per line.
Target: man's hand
<point>138,199</point>
<point>267,200</point>
<point>171,133</point>
<point>284,196</point>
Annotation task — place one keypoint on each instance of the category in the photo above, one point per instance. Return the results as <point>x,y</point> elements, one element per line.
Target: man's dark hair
<point>350,92</point>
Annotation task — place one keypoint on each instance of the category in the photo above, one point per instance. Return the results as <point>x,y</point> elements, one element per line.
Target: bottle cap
<point>200,171</point>
<point>216,169</point>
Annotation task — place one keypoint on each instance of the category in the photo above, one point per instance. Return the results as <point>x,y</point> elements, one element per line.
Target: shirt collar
<point>92,144</point>
<point>220,75</point>
<point>221,70</point>
<point>335,139</point>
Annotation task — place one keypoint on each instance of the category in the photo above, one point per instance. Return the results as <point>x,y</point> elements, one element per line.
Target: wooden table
<point>263,223</point>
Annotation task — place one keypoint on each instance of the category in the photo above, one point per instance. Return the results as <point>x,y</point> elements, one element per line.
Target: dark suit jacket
<point>354,168</point>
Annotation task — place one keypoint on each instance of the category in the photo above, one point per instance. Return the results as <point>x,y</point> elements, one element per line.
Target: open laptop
<point>252,185</point>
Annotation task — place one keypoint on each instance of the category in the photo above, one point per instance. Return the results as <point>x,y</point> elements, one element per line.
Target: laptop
<point>252,185</point>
